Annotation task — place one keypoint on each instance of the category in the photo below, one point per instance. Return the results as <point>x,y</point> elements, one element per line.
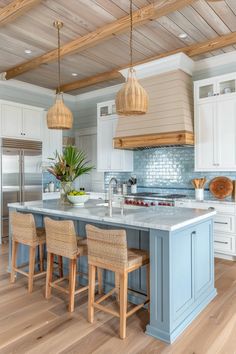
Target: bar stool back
<point>62,241</point>
<point>25,232</point>
<point>107,249</point>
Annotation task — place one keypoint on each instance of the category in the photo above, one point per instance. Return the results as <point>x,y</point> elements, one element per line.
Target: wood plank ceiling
<point>33,30</point>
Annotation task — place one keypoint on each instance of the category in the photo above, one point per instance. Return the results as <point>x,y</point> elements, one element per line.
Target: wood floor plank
<point>25,327</point>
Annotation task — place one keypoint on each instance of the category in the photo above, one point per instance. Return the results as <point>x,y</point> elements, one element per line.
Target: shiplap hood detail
<point>169,120</point>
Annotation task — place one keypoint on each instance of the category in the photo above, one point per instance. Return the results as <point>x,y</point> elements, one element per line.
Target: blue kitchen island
<point>180,242</point>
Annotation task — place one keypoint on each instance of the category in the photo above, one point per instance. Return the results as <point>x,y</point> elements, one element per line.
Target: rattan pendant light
<point>132,99</point>
<point>59,116</point>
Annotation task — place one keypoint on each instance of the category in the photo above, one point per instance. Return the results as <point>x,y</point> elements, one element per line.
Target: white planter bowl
<point>78,199</point>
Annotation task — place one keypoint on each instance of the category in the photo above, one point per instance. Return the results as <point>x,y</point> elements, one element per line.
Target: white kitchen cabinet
<point>86,140</point>
<point>32,123</point>
<point>11,120</point>
<point>218,86</point>
<point>108,158</point>
<point>20,121</point>
<point>224,225</point>
<point>52,142</point>
<point>215,128</point>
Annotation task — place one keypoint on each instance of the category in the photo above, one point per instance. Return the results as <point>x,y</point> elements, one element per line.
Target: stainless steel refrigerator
<point>21,175</point>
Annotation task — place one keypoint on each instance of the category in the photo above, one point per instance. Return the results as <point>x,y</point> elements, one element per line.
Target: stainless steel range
<point>151,199</point>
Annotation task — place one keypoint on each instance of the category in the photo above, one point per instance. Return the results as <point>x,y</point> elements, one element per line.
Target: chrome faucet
<point>110,194</point>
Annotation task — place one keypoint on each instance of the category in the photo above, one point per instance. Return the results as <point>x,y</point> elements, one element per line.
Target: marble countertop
<point>161,218</point>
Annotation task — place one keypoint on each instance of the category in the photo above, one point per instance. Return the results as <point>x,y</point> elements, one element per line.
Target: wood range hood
<point>169,120</point>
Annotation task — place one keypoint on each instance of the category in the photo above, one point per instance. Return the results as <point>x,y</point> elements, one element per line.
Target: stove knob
<point>160,203</point>
<point>142,203</point>
<point>146,204</point>
<point>153,204</point>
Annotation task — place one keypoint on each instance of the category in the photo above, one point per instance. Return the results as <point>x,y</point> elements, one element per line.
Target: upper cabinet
<point>20,121</point>
<point>220,86</point>
<point>108,158</point>
<point>215,124</point>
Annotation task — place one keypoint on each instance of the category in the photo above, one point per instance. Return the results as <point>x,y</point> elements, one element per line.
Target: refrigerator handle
<point>20,176</point>
<point>23,175</point>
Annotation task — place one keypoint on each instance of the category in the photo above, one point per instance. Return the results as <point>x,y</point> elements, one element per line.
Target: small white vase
<point>133,188</point>
<point>199,194</point>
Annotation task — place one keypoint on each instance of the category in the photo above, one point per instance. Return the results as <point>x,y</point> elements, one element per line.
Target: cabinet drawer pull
<point>220,222</point>
<point>224,242</point>
<point>211,208</point>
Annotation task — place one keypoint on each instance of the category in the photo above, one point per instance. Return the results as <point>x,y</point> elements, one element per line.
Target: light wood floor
<point>30,324</point>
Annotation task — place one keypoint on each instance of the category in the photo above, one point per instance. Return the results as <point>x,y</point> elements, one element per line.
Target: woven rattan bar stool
<point>62,241</point>
<point>25,232</point>
<point>107,249</point>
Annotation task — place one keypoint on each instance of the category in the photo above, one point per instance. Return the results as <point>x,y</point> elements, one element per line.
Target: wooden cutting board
<point>221,187</point>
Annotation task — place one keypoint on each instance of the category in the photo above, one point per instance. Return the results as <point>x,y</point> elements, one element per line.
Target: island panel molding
<point>147,13</point>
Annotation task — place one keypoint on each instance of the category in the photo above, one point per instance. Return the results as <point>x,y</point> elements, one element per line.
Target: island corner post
<point>181,269</point>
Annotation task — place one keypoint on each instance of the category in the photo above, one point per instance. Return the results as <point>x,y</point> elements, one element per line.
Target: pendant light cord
<point>58,59</point>
<point>131,34</point>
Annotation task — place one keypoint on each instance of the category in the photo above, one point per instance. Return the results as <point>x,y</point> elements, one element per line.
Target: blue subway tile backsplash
<point>165,168</point>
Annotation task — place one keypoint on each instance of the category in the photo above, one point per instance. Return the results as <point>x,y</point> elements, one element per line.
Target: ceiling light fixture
<point>59,116</point>
<point>183,35</point>
<point>132,99</point>
<point>74,74</point>
<point>28,51</point>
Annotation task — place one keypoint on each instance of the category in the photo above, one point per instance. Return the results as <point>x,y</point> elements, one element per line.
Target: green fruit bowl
<point>78,200</point>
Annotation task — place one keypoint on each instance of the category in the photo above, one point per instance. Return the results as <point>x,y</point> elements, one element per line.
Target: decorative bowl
<point>78,200</point>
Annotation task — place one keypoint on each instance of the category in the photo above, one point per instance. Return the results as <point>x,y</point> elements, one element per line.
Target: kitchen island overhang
<point>180,243</point>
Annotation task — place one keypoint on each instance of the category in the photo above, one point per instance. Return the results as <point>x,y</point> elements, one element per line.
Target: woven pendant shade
<point>59,116</point>
<point>132,99</point>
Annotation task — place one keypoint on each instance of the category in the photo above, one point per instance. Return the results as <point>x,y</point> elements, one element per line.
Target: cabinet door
<point>94,180</point>
<point>203,258</point>
<point>11,121</point>
<point>205,154</point>
<point>226,133</point>
<point>117,156</point>
<point>104,144</point>
<point>32,123</point>
<point>52,142</point>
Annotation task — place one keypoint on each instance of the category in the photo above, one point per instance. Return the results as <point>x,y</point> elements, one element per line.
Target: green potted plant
<point>68,166</point>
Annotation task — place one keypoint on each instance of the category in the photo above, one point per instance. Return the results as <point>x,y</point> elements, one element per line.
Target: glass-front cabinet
<point>219,86</point>
<point>215,124</point>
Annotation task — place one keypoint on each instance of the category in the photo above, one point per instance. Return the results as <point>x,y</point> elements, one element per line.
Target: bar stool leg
<point>50,258</point>
<point>60,266</point>
<point>100,286</point>
<point>31,268</point>
<point>117,286</point>
<point>123,303</point>
<point>92,281</point>
<point>72,282</point>
<point>13,260</point>
<point>148,284</point>
<point>41,257</point>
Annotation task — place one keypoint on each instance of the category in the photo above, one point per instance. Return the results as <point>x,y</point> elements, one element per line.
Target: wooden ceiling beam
<point>92,80</point>
<point>147,13</point>
<point>14,9</point>
<point>191,51</point>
